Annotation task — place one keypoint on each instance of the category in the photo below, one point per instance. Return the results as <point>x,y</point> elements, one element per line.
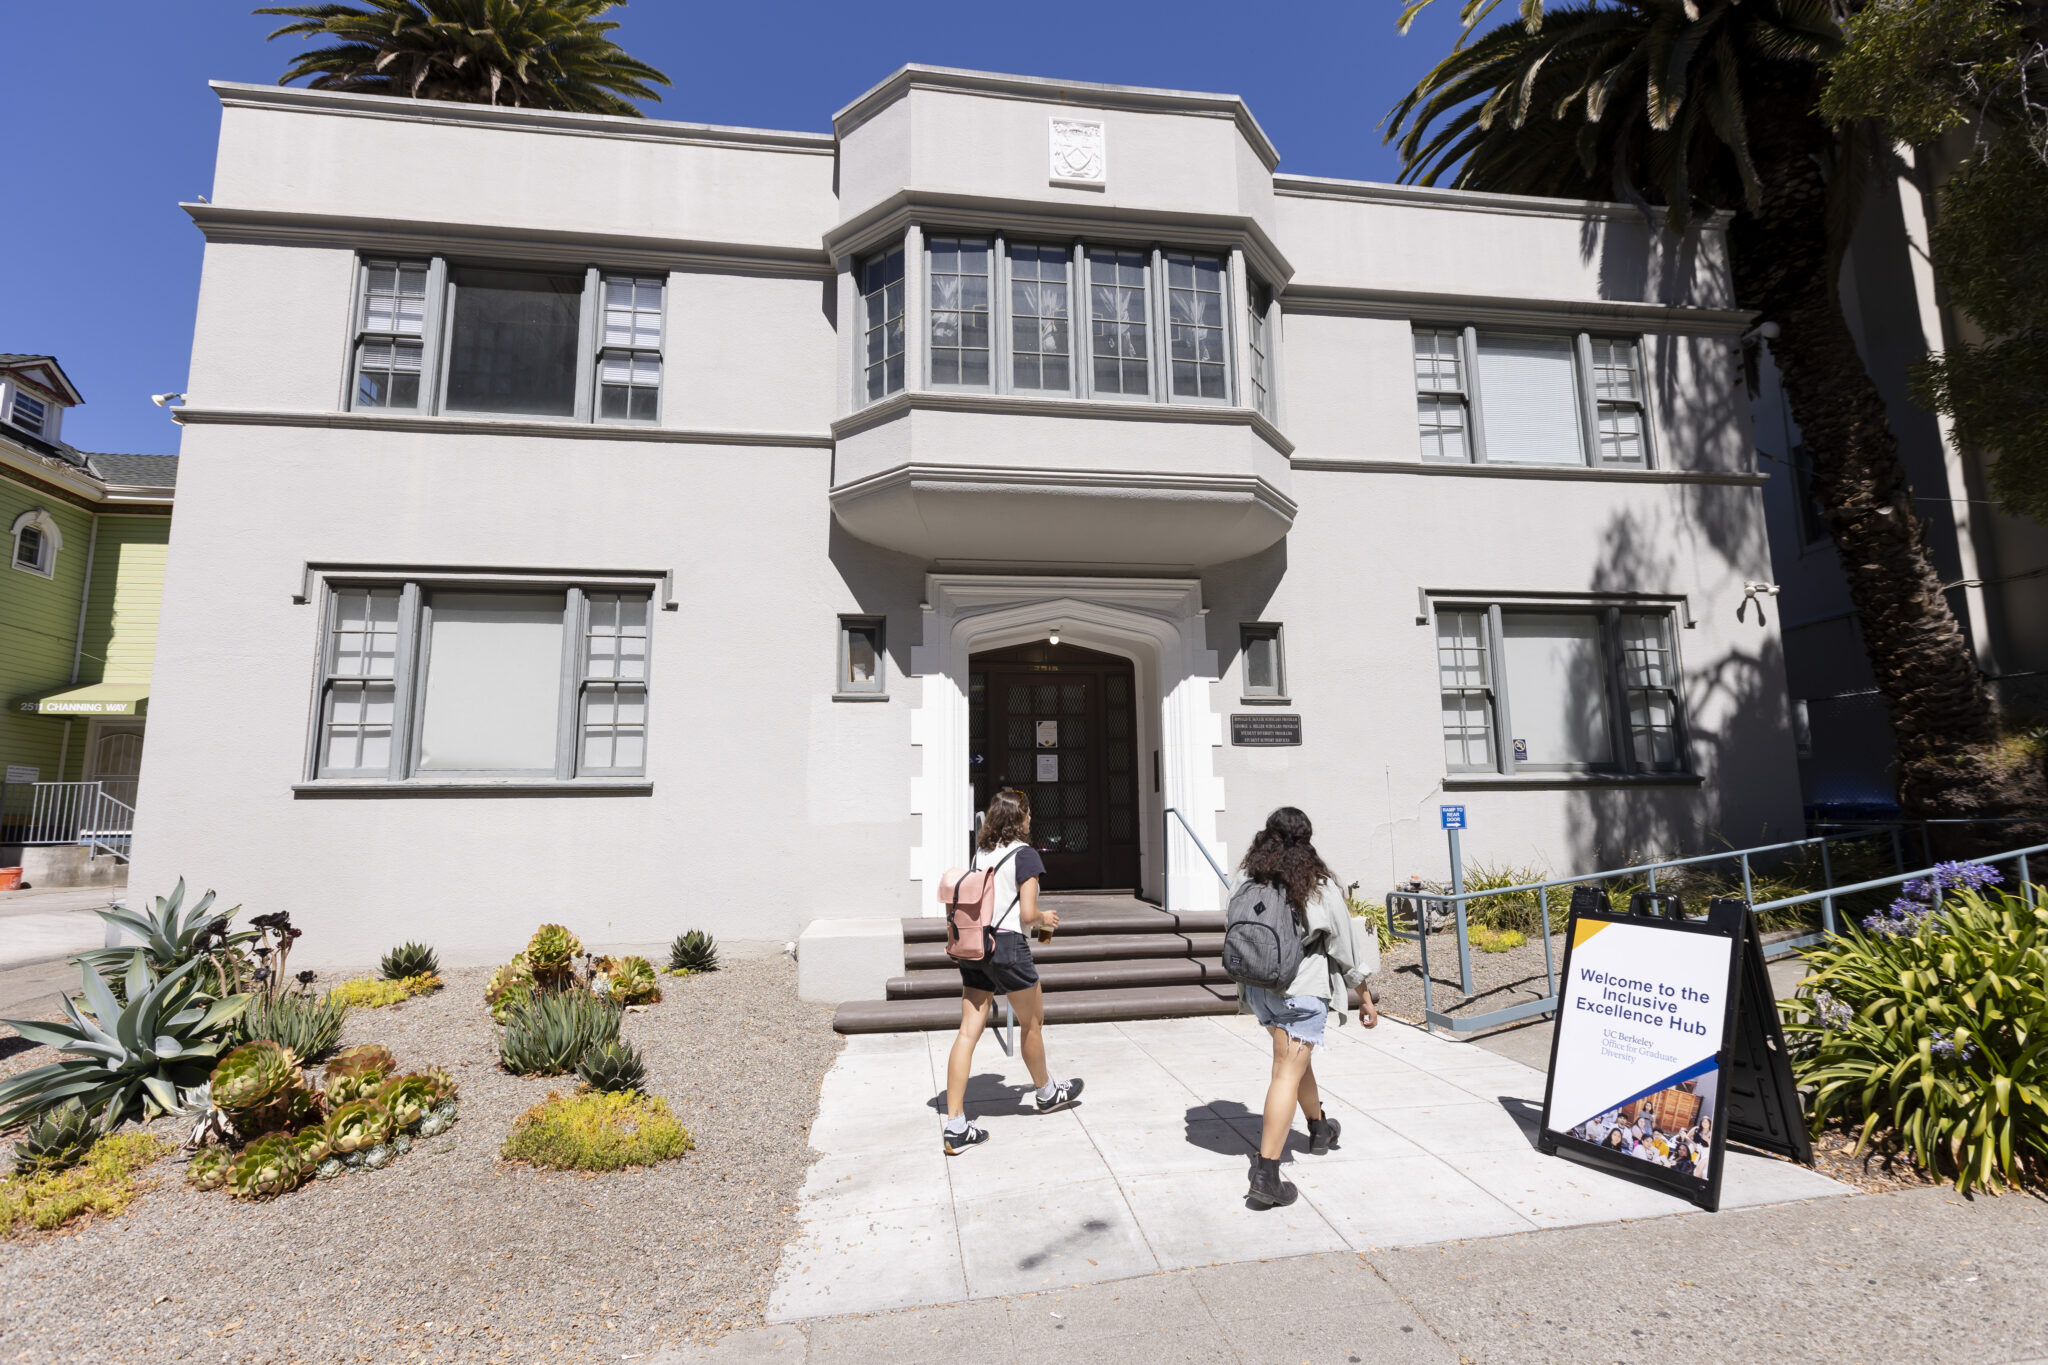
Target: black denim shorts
<point>1008,969</point>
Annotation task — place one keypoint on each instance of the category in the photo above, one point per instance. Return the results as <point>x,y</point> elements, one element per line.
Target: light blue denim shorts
<point>1302,1016</point>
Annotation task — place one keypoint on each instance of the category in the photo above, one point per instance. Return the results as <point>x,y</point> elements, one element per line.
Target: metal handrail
<point>1827,897</point>
<point>1458,900</point>
<point>112,827</point>
<point>1166,856</point>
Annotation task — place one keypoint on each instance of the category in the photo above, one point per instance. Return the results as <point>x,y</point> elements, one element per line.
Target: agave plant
<point>613,1066</point>
<point>634,983</point>
<point>551,955</point>
<point>171,936</point>
<point>268,1167</point>
<point>56,1140</point>
<point>549,1035</point>
<point>309,1026</point>
<point>357,1072</point>
<point>695,951</point>
<point>410,959</point>
<point>146,1053</point>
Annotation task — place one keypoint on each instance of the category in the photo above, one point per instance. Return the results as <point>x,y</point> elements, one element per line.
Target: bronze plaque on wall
<point>1279,728</point>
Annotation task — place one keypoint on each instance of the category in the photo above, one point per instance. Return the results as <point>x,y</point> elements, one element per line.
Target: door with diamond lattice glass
<point>1057,723</point>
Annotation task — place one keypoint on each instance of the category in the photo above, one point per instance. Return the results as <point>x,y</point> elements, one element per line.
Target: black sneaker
<point>1064,1093</point>
<point>956,1143</point>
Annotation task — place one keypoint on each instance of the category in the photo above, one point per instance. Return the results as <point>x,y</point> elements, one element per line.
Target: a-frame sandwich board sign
<point>1654,1051</point>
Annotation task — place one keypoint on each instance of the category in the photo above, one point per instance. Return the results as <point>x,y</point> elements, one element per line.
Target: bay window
<point>1558,689</point>
<point>1530,398</point>
<point>581,345</point>
<point>1041,320</point>
<point>881,296</point>
<point>447,682</point>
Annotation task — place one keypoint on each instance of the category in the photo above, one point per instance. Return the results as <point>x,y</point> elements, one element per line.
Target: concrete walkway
<point>1147,1174</point>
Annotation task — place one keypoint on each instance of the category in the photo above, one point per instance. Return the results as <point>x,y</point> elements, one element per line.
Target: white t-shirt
<point>1022,868</point>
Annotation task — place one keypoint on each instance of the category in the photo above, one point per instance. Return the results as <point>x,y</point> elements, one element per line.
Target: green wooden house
<point>85,535</point>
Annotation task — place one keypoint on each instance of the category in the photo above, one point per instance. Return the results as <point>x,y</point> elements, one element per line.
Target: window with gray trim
<point>881,301</point>
<point>1264,662</point>
<point>1041,320</point>
<point>445,681</point>
<point>1257,335</point>
<point>1531,398</point>
<point>957,272</point>
<point>1119,322</point>
<point>1559,689</point>
<point>863,661</point>
<point>1194,325</point>
<point>493,340</point>
<point>28,412</point>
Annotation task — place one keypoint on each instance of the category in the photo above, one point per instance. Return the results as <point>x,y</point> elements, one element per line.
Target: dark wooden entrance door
<point>1058,722</point>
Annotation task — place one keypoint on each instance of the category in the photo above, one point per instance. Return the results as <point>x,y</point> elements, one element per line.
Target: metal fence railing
<point>44,813</point>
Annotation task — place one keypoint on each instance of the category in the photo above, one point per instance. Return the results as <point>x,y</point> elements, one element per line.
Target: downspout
<point>92,544</point>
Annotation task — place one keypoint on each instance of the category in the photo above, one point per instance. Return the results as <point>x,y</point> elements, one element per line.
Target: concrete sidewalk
<point>1920,1275</point>
<point>1147,1174</point>
<point>39,932</point>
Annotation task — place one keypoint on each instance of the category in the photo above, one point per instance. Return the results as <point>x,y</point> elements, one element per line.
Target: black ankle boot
<point>1322,1135</point>
<point>1267,1186</point>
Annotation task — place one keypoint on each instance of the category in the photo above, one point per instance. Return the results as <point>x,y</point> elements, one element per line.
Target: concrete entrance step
<point>1082,948</point>
<point>1060,977</point>
<point>1062,1007</point>
<point>1083,916</point>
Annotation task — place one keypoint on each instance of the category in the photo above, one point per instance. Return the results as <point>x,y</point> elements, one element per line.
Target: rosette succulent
<point>508,986</point>
<point>633,982</point>
<point>549,1034</point>
<point>268,1167</point>
<point>551,954</point>
<point>208,1169</point>
<point>358,1125</point>
<point>409,1098</point>
<point>357,1071</point>
<point>313,1143</point>
<point>262,1089</point>
<point>613,1066</point>
<point>439,1121</point>
<point>410,959</point>
<point>695,951</point>
<point>56,1140</point>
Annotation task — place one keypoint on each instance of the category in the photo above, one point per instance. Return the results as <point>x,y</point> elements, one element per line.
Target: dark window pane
<point>514,344</point>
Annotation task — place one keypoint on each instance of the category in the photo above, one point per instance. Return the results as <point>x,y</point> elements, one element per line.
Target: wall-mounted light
<point>1054,638</point>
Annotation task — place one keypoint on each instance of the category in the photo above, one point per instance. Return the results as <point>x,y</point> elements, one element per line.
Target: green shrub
<point>1520,911</point>
<point>1373,911</point>
<point>1490,940</point>
<point>1935,1040</point>
<point>613,1066</point>
<point>309,1025</point>
<point>104,1183</point>
<point>410,959</point>
<point>597,1131</point>
<point>549,1033</point>
<point>693,952</point>
<point>369,992</point>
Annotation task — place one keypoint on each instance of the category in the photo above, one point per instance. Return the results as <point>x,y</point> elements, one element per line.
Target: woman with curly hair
<point>1284,857</point>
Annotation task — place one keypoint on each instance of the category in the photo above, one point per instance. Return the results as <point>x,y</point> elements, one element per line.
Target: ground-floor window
<point>449,680</point>
<point>1559,689</point>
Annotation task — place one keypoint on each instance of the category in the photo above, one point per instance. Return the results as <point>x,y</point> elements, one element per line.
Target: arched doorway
<point>1059,723</point>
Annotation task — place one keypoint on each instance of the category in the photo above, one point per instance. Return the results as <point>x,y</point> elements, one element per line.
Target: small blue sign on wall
<point>1453,816</point>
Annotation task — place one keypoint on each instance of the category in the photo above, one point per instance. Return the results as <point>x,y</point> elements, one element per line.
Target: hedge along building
<point>652,525</point>
<point>85,538</point>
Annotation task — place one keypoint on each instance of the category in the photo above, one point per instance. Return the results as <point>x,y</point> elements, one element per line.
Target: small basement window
<point>862,662</point>
<point>1265,674</point>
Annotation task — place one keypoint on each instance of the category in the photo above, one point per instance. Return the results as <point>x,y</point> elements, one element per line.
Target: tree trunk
<point>1943,720</point>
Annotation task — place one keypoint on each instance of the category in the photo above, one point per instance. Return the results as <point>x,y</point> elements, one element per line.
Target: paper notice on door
<point>1048,734</point>
<point>1048,767</point>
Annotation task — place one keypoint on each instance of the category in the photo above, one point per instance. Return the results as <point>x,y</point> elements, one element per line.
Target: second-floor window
<point>881,304</point>
<point>432,336</point>
<point>1530,398</point>
<point>1258,334</point>
<point>28,413</point>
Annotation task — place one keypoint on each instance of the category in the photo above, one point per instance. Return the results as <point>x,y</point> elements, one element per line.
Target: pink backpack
<point>970,900</point>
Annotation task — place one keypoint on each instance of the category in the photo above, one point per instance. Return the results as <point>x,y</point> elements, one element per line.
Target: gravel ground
<point>450,1254</point>
<point>1498,979</point>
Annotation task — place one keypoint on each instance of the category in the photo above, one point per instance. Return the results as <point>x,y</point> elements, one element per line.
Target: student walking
<point>1283,858</point>
<point>1003,845</point>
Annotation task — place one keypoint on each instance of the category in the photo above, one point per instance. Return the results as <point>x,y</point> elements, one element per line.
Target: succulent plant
<point>410,959</point>
<point>313,1143</point>
<point>262,1089</point>
<point>443,1083</point>
<point>206,1122</point>
<point>145,1052</point>
<point>170,934</point>
<point>439,1121</point>
<point>613,1066</point>
<point>357,1071</point>
<point>549,1034</point>
<point>309,1025</point>
<point>551,954</point>
<point>423,983</point>
<point>330,1168</point>
<point>358,1125</point>
<point>378,1157</point>
<point>56,1140</point>
<point>695,951</point>
<point>634,982</point>
<point>409,1098</point>
<point>508,985</point>
<point>268,1167</point>
<point>208,1168</point>
<point>401,1144</point>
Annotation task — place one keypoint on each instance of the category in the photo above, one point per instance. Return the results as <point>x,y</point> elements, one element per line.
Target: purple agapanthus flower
<point>1944,1046</point>
<point>1908,914</point>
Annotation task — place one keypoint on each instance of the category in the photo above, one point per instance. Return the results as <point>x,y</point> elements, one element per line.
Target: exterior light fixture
<point>1054,638</point>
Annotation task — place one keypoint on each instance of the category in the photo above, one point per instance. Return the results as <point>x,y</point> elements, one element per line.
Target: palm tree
<point>1704,105</point>
<point>531,54</point>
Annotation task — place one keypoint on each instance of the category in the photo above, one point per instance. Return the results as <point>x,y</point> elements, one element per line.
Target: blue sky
<point>109,104</point>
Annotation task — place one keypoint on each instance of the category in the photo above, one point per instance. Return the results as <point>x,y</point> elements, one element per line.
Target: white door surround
<point>1158,624</point>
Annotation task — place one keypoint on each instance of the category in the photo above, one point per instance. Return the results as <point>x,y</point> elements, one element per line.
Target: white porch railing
<point>67,813</point>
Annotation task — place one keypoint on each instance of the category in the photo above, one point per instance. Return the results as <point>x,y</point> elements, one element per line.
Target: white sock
<point>956,1123</point>
<point>1048,1090</point>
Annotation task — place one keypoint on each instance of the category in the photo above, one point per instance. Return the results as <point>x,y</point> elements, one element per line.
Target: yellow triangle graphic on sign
<point>1585,930</point>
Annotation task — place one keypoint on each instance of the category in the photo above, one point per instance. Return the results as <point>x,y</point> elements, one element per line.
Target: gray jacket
<point>1332,952</point>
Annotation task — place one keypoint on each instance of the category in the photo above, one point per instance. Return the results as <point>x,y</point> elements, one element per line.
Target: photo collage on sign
<point>1672,1128</point>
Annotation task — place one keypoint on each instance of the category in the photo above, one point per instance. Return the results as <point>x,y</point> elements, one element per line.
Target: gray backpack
<point>1261,940</point>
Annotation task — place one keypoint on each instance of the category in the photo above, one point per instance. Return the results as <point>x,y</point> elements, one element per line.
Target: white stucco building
<point>650,525</point>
